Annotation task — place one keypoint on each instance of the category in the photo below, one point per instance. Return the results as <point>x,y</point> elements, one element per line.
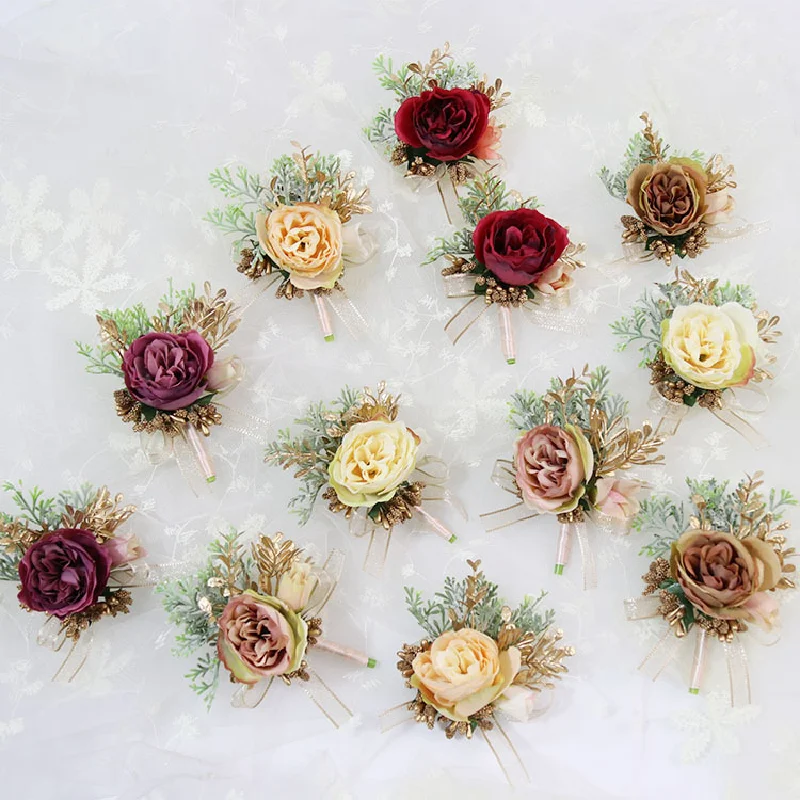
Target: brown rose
<point>727,577</point>
<point>669,196</point>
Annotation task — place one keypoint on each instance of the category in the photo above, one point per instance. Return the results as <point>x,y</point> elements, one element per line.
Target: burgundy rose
<point>448,123</point>
<point>64,572</point>
<point>167,370</point>
<point>518,246</point>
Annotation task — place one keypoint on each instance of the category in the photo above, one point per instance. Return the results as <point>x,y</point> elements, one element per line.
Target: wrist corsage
<point>173,375</point>
<point>255,611</point>
<point>295,227</point>
<point>701,340</point>
<point>443,130</point>
<point>679,200</point>
<point>574,441</point>
<point>719,565</point>
<point>72,562</point>
<point>480,660</point>
<point>367,464</point>
<point>509,255</point>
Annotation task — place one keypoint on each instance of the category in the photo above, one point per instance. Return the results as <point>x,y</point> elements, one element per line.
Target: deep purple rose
<point>64,572</point>
<point>167,370</point>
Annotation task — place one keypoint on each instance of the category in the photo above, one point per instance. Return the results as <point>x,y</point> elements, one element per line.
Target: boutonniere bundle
<point>295,228</point>
<point>172,373</point>
<point>701,339</point>
<point>718,566</point>
<point>480,660</point>
<point>443,131</point>
<point>255,612</point>
<point>574,441</point>
<point>72,562</point>
<point>511,256</point>
<point>367,464</point>
<point>678,200</point>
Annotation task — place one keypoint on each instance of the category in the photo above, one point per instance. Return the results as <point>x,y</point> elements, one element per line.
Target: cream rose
<point>712,347</point>
<point>464,671</point>
<point>297,585</point>
<point>372,461</point>
<point>617,497</point>
<point>556,277</point>
<point>305,240</point>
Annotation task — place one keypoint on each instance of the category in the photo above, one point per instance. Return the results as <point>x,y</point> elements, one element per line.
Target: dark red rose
<point>167,370</point>
<point>518,246</point>
<point>64,572</point>
<point>448,123</point>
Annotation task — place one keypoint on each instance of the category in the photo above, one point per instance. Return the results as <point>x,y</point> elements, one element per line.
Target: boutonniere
<point>719,564</point>
<point>72,562</point>
<point>254,611</point>
<point>367,464</point>
<point>702,339</point>
<point>574,441</point>
<point>679,201</point>
<point>480,660</point>
<point>172,373</point>
<point>509,255</point>
<point>443,131</point>
<point>294,227</point>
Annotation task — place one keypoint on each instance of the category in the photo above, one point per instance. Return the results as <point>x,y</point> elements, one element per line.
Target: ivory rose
<point>616,497</point>
<point>712,347</point>
<point>372,461</point>
<point>463,671</point>
<point>305,240</point>
<point>727,577</point>
<point>552,466</point>
<point>556,277</point>
<point>260,636</point>
<point>224,375</point>
<point>296,586</point>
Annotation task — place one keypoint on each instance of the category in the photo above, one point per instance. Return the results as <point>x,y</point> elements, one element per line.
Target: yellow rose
<point>306,241</point>
<point>372,461</point>
<point>463,672</point>
<point>712,347</point>
<point>297,585</point>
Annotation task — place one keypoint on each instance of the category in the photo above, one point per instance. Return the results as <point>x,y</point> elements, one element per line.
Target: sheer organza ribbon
<point>672,413</point>
<point>189,450</point>
<point>341,305</point>
<point>433,473</point>
<point>547,312</point>
<point>668,646</point>
<point>504,477</point>
<point>326,700</point>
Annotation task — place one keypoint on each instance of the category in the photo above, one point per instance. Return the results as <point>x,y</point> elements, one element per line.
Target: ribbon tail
<point>506,754</point>
<point>661,656</point>
<point>741,426</point>
<point>327,581</point>
<point>548,312</point>
<point>193,460</point>
<point>472,310</point>
<point>672,414</point>
<point>347,313</point>
<point>738,672</point>
<point>397,715</point>
<point>588,566</point>
<point>75,658</point>
<point>254,289</point>
<point>247,424</point>
<point>378,546</point>
<point>504,476</point>
<point>452,208</point>
<point>459,285</point>
<point>251,695</point>
<point>505,517</point>
<point>326,701</point>
<point>726,232</point>
<point>641,607</point>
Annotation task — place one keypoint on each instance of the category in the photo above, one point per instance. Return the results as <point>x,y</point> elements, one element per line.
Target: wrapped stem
<point>346,652</point>
<point>698,660</point>
<point>507,335</point>
<point>564,546</point>
<point>323,317</point>
<point>200,453</point>
<point>435,525</point>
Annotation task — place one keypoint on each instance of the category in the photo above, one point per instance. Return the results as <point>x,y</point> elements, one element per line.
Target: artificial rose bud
<point>520,703</point>
<point>358,244</point>
<point>124,549</point>
<point>616,497</point>
<point>225,374</point>
<point>296,586</point>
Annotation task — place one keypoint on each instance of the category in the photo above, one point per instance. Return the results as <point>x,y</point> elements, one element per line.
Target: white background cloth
<point>111,116</point>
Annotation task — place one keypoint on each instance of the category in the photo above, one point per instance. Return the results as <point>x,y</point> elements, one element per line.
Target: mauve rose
<point>259,637</point>
<point>552,466</point>
<point>518,246</point>
<point>727,577</point>
<point>167,370</point>
<point>63,572</point>
<point>448,123</point>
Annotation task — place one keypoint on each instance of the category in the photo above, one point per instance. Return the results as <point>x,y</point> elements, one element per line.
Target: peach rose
<point>719,206</point>
<point>464,671</point>
<point>305,240</point>
<point>556,277</point>
<point>727,577</point>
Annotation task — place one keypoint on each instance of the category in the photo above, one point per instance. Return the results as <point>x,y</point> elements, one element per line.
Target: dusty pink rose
<point>727,577</point>
<point>552,466</point>
<point>124,549</point>
<point>260,636</point>
<point>617,497</point>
